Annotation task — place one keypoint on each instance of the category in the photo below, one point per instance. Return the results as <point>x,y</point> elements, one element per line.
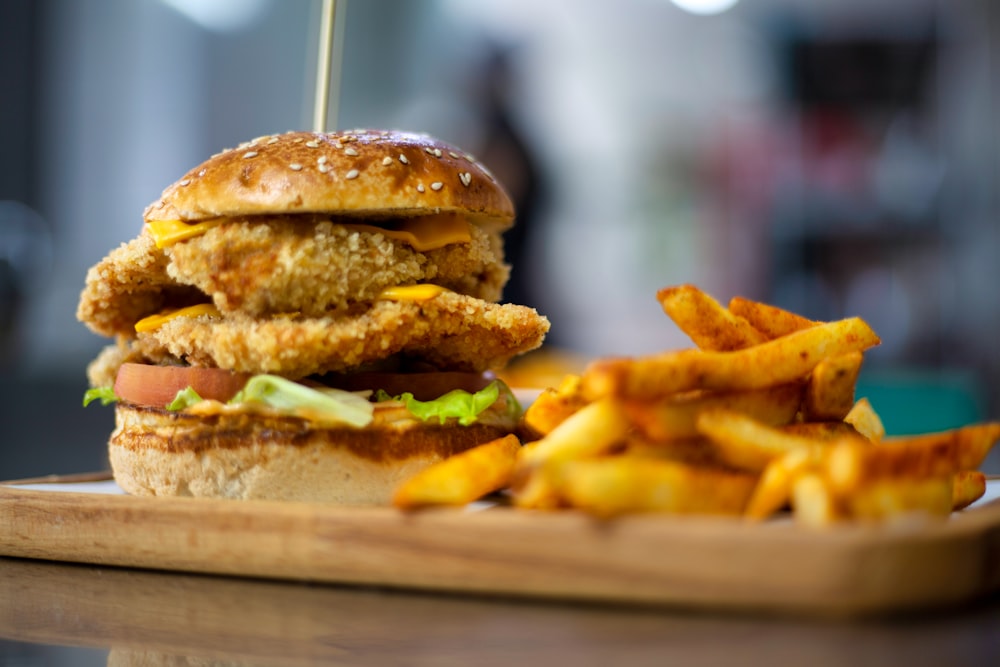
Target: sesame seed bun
<point>360,173</point>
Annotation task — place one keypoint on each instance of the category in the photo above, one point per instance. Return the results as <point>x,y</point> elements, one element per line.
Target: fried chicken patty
<point>283,265</point>
<point>451,331</point>
<point>263,266</point>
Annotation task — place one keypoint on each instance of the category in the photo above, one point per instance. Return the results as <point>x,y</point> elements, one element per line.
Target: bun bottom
<point>249,456</point>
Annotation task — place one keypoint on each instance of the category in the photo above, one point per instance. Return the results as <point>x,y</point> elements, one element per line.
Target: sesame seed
<point>420,187</point>
<point>295,166</point>
<point>323,168</point>
<point>453,154</point>
<point>297,140</point>
<point>350,151</point>
<point>202,172</point>
<point>403,159</point>
<point>272,140</point>
<point>186,181</point>
<point>312,144</point>
<point>436,152</point>
<point>466,178</point>
<point>386,160</point>
<point>353,173</point>
<point>249,154</point>
<point>437,185</point>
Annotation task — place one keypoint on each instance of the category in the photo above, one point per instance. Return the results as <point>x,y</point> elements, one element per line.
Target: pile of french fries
<point>759,417</point>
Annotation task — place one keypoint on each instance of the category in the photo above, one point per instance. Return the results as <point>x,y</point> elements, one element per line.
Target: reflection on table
<point>129,617</point>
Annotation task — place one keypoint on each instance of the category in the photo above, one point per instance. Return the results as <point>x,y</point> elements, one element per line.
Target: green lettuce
<point>281,394</point>
<point>106,395</point>
<point>185,398</point>
<point>456,404</point>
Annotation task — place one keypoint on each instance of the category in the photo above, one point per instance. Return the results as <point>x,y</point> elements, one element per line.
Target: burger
<point>308,316</point>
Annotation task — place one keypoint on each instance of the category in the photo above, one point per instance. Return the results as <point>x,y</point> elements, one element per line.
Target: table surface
<point>62,614</point>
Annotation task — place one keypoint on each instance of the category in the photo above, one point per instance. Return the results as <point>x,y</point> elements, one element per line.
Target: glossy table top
<point>61,614</point>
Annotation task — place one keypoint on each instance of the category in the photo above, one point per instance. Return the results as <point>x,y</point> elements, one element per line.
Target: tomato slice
<point>157,386</point>
<point>423,386</point>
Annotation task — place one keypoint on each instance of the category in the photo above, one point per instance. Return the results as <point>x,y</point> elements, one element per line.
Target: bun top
<point>359,173</point>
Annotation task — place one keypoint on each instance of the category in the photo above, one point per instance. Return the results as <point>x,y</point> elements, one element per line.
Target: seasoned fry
<point>611,486</point>
<point>866,421</point>
<point>891,499</point>
<point>814,503</point>
<point>760,417</point>
<point>707,323</point>
<point>775,362</point>
<point>462,478</point>
<point>774,490</point>
<point>589,432</point>
<point>676,417</point>
<point>553,406</point>
<point>537,487</point>
<point>696,451</point>
<point>823,432</point>
<point>968,486</point>
<point>852,466</point>
<point>746,444</point>
<point>772,321</point>
<point>830,391</point>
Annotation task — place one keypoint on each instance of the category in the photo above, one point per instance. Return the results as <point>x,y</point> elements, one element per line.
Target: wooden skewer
<point>321,109</point>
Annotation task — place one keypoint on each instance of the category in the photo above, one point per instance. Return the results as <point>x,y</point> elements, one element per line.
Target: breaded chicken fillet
<point>309,316</point>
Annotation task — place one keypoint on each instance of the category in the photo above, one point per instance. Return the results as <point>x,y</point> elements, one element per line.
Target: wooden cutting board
<point>693,562</point>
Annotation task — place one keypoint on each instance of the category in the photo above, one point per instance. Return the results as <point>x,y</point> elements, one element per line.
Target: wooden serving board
<point>696,562</point>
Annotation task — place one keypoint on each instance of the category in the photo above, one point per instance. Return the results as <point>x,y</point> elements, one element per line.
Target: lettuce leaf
<point>329,404</point>
<point>106,395</point>
<point>456,404</point>
<point>185,398</point>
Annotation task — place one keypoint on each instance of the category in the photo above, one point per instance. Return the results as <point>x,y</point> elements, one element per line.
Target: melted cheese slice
<point>156,321</point>
<point>411,292</point>
<point>168,232</point>
<point>423,233</point>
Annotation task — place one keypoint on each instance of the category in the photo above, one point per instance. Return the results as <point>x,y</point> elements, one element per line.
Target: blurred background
<point>834,157</point>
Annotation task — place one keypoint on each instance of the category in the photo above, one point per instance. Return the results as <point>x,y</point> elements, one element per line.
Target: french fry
<point>590,431</point>
<point>823,431</point>
<point>851,466</point>
<point>830,390</point>
<point>968,486</point>
<point>815,505</point>
<point>696,451</point>
<point>775,362</point>
<point>746,444</point>
<point>890,499</point>
<point>461,478</point>
<point>537,487</point>
<point>707,323</point>
<point>675,417</point>
<point>774,490</point>
<point>866,421</point>
<point>617,485</point>
<point>553,406</point>
<point>772,321</point>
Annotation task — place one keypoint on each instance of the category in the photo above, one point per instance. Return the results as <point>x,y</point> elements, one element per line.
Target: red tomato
<point>423,386</point>
<point>158,385</point>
